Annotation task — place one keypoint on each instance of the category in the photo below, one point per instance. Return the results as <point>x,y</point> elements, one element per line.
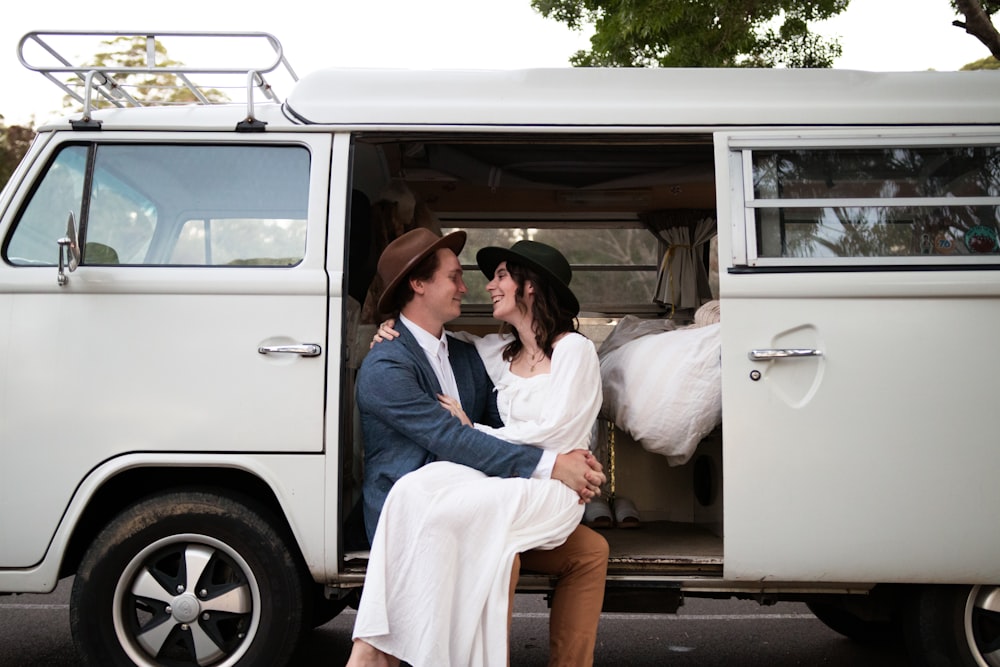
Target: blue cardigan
<point>405,427</point>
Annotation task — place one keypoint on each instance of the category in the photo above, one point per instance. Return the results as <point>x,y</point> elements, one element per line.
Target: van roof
<point>645,97</point>
<point>600,97</point>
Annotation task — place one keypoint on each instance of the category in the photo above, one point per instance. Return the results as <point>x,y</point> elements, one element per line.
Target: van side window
<point>171,205</point>
<point>876,202</point>
<point>43,220</point>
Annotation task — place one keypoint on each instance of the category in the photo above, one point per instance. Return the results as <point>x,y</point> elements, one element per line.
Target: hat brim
<point>490,257</point>
<point>454,242</point>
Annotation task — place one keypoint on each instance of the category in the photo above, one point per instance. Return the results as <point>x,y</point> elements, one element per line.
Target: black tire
<point>853,626</point>
<point>131,601</point>
<point>324,609</point>
<point>954,626</point>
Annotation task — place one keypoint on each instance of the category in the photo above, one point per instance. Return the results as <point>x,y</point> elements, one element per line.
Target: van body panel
<point>296,480</point>
<point>869,463</point>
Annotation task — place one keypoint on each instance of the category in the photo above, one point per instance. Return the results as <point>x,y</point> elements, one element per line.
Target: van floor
<point>667,548</point>
<point>664,547</point>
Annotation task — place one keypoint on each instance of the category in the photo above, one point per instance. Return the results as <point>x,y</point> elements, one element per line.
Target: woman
<point>440,569</point>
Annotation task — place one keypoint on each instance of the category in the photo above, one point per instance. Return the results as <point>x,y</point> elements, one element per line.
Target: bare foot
<point>364,654</point>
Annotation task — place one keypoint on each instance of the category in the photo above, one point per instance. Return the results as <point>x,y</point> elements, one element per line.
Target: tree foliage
<point>156,88</point>
<point>14,143</point>
<point>979,23</point>
<point>699,33</point>
<point>989,62</point>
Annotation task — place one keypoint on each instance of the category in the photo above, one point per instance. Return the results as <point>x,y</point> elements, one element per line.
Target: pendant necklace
<point>534,361</point>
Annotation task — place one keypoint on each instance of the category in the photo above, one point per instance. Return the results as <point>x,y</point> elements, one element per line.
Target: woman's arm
<point>453,406</point>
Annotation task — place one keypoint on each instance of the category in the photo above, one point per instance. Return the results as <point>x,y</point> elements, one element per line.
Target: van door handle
<point>786,353</point>
<point>304,349</point>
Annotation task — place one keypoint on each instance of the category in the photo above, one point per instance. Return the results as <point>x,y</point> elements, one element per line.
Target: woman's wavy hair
<point>550,317</point>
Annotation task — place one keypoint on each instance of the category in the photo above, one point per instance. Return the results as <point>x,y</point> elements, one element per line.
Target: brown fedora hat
<point>405,252</point>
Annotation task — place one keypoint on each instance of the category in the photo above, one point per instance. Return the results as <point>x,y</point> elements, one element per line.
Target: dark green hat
<point>544,259</point>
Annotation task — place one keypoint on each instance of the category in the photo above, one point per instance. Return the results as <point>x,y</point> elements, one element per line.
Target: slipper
<point>626,513</point>
<point>597,514</point>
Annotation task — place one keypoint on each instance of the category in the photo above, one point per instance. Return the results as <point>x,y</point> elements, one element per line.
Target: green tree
<point>14,143</point>
<point>154,88</point>
<point>699,33</point>
<point>989,62</point>
<point>979,23</point>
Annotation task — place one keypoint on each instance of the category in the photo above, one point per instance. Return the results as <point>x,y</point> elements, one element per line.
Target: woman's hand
<point>454,407</point>
<point>385,332</point>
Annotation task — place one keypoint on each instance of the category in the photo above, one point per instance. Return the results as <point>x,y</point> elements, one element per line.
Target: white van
<point>181,319</point>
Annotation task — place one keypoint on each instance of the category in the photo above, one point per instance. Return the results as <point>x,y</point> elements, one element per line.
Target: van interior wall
<point>668,493</point>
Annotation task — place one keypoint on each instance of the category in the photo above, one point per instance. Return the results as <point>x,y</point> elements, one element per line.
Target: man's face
<point>442,294</point>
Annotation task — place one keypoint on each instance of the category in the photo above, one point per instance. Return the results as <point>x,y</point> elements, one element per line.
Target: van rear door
<point>860,295</point>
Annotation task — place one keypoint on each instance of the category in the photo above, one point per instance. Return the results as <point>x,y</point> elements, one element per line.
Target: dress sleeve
<point>571,403</point>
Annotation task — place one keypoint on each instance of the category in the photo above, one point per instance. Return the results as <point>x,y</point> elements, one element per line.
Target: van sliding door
<point>860,286</point>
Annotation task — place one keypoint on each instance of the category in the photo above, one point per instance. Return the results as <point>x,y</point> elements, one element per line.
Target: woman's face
<point>503,293</point>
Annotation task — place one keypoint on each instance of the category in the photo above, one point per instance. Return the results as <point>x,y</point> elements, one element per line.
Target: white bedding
<point>663,389</point>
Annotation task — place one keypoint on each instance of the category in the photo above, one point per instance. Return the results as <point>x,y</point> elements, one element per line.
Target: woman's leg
<point>364,654</point>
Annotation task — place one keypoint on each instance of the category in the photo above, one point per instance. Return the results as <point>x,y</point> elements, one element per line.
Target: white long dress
<point>436,589</point>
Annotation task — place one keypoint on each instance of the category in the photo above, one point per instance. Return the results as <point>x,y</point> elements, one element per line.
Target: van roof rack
<point>168,77</point>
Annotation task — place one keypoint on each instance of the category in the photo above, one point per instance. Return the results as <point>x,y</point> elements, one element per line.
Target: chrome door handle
<point>787,353</point>
<point>305,349</point>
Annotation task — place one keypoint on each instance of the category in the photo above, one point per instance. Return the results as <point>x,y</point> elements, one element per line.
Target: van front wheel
<point>955,625</point>
<point>188,578</point>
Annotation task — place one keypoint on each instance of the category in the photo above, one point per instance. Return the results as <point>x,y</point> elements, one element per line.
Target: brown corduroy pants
<point>581,564</point>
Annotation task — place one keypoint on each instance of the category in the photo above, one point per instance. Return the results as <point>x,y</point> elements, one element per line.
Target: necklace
<point>534,360</point>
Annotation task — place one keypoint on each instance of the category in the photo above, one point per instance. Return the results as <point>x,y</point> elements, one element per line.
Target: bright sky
<point>879,35</point>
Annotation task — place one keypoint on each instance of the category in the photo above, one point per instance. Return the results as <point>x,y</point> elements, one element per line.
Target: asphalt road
<point>34,632</point>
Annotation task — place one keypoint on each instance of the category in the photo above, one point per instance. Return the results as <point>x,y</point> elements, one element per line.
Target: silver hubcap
<point>982,625</point>
<point>189,600</point>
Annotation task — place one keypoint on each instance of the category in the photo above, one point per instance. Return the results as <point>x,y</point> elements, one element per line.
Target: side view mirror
<point>69,251</point>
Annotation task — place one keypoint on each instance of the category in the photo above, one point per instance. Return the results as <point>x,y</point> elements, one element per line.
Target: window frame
<point>576,222</point>
<point>739,148</point>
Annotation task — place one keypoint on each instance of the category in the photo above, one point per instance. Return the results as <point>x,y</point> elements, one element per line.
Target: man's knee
<point>584,551</point>
<point>592,549</point>
<point>593,542</point>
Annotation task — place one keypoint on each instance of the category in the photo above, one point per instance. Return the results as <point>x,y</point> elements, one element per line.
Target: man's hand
<point>580,471</point>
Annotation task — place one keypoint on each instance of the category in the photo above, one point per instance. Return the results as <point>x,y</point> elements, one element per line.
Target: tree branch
<point>977,23</point>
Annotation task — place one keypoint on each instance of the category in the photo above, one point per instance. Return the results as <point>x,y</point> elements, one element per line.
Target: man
<point>405,427</point>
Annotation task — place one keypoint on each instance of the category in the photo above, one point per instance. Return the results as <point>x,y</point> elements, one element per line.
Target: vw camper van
<point>792,278</point>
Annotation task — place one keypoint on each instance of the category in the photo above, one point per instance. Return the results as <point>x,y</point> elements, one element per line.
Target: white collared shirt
<point>436,350</point>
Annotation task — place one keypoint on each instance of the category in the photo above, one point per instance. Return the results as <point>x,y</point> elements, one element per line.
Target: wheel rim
<point>186,600</point>
<point>982,625</point>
